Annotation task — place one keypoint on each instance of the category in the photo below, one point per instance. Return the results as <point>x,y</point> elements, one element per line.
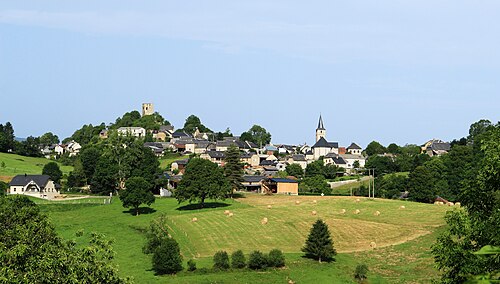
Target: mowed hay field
<point>19,165</point>
<point>402,236</point>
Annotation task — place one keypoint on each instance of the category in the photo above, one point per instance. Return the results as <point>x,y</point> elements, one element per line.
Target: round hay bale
<point>358,200</point>
<point>315,202</point>
<point>436,202</point>
<point>263,221</point>
<point>297,202</point>
<point>342,211</point>
<point>226,212</point>
<point>230,214</point>
<point>357,212</point>
<point>269,207</point>
<point>441,203</point>
<point>314,213</point>
<point>458,204</point>
<point>450,204</point>
<point>194,219</point>
<point>373,245</point>
<point>291,281</point>
<point>377,213</point>
<point>402,207</point>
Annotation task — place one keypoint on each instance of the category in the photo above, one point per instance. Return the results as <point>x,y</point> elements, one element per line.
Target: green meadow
<point>395,244</point>
<point>12,165</point>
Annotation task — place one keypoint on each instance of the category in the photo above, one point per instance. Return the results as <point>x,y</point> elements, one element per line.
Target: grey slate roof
<point>253,178</point>
<point>322,143</point>
<point>22,180</point>
<point>337,160</point>
<point>283,180</point>
<point>179,134</point>
<point>440,146</point>
<point>299,157</point>
<point>354,146</point>
<point>182,162</point>
<point>216,154</point>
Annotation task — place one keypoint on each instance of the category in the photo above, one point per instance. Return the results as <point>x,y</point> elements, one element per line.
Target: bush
<point>257,260</point>
<point>360,272</point>
<point>167,257</point>
<point>276,258</point>
<point>191,265</point>
<point>221,260</point>
<point>238,259</point>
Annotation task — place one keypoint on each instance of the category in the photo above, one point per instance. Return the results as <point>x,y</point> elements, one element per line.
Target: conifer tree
<point>233,169</point>
<point>319,244</point>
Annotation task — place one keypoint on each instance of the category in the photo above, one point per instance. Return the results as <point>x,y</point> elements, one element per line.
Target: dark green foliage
<point>375,148</point>
<point>421,185</point>
<point>315,184</point>
<point>105,177</point>
<point>233,169</point>
<point>28,147</point>
<point>330,171</point>
<point>52,169</point>
<point>48,139</point>
<point>193,122</point>
<point>191,265</point>
<point>391,186</point>
<point>238,259</point>
<point>89,157</point>
<point>86,134</point>
<point>202,179</point>
<point>381,164</point>
<point>393,148</point>
<point>221,135</point>
<point>3,188</point>
<point>156,232</point>
<point>315,168</point>
<point>319,244</point>
<point>295,170</point>
<point>137,192</point>
<point>361,272</point>
<point>76,178</point>
<point>276,258</point>
<point>7,141</point>
<point>167,257</point>
<point>221,260</point>
<point>479,224</point>
<point>31,251</point>
<point>257,134</point>
<point>257,260</point>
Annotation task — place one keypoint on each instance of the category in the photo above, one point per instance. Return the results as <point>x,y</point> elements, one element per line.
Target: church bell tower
<point>320,131</point>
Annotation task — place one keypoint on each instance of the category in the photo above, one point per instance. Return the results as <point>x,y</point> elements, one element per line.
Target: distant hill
<point>12,165</point>
<point>19,139</point>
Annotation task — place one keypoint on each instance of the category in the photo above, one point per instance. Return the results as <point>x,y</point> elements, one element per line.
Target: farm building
<point>281,186</point>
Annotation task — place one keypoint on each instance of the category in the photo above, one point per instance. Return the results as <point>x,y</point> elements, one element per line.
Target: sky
<point>390,71</point>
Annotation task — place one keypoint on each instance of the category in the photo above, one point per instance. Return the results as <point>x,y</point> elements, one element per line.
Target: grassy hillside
<point>19,165</point>
<point>403,236</point>
<point>168,159</point>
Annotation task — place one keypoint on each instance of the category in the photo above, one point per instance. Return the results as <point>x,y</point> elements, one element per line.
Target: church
<point>322,146</point>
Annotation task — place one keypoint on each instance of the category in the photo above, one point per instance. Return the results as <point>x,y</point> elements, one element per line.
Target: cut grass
<point>20,165</point>
<point>403,237</point>
<point>168,159</point>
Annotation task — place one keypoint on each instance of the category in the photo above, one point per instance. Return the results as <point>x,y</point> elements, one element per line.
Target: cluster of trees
<point>442,176</point>
<point>7,138</point>
<point>29,147</point>
<point>107,164</point>
<point>256,134</point>
<point>314,178</point>
<point>478,225</point>
<point>256,260</point>
<point>401,159</point>
<point>31,251</point>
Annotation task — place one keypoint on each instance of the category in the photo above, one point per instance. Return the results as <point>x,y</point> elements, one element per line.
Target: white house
<point>354,149</point>
<point>34,185</point>
<point>134,131</point>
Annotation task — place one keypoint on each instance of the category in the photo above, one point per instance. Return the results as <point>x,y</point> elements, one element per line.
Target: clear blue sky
<point>392,71</point>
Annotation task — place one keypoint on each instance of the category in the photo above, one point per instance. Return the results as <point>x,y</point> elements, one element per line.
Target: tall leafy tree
<point>31,251</point>
<point>202,179</point>
<point>315,184</point>
<point>233,168</point>
<point>137,192</point>
<point>479,224</point>
<point>420,185</point>
<point>375,148</point>
<point>105,177</point>
<point>193,122</point>
<point>29,147</point>
<point>315,168</point>
<point>257,134</point>
<point>49,138</point>
<point>89,157</point>
<point>52,169</point>
<point>319,243</point>
<point>7,137</point>
<point>295,170</point>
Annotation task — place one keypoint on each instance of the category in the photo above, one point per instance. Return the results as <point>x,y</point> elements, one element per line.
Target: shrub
<point>221,260</point>
<point>191,265</point>
<point>360,272</point>
<point>167,257</point>
<point>257,260</point>
<point>238,259</point>
<point>276,258</point>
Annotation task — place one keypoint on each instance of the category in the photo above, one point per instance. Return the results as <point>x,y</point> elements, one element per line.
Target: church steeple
<point>320,131</point>
<point>320,124</point>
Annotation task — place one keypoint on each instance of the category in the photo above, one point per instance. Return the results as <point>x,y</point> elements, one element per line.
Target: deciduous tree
<point>52,169</point>
<point>137,192</point>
